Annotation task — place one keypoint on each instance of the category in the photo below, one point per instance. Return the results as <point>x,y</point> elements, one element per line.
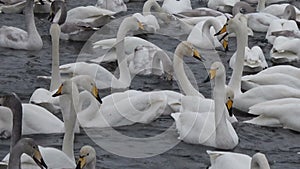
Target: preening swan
<point>277,113</point>
<point>87,158</point>
<point>210,128</point>
<point>176,6</point>
<point>229,160</point>
<point>15,38</point>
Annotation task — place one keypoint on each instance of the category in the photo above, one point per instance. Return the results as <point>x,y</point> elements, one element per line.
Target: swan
<point>129,107</point>
<point>285,50</point>
<point>243,101</point>
<point>162,15</point>
<point>87,158</point>
<point>80,21</point>
<point>112,5</point>
<point>18,6</point>
<point>210,128</point>
<point>15,38</point>
<point>274,113</point>
<point>104,78</point>
<point>274,9</point>
<point>222,5</point>
<point>19,146</point>
<point>42,96</point>
<point>254,60</point>
<point>176,6</point>
<point>228,160</point>
<point>201,35</point>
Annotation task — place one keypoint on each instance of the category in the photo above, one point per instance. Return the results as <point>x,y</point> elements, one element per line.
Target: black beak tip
<point>78,165</point>
<point>206,80</point>
<point>99,100</point>
<point>55,95</point>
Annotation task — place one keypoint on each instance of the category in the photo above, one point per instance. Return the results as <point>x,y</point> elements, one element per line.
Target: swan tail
<point>265,121</point>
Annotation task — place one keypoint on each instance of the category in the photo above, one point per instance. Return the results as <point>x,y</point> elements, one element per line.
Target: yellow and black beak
<point>37,157</point>
<point>229,107</point>
<point>223,30</point>
<point>96,94</point>
<point>81,162</point>
<point>58,92</point>
<point>225,44</point>
<point>141,26</point>
<point>197,55</point>
<point>212,73</point>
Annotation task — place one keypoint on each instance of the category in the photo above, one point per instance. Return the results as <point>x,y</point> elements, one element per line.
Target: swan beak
<point>37,157</point>
<point>141,26</point>
<point>81,163</point>
<point>225,44</point>
<point>197,55</point>
<point>96,94</point>
<point>212,73</point>
<point>223,30</point>
<point>58,93</point>
<point>229,107</point>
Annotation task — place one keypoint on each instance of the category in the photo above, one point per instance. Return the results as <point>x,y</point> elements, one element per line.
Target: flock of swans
<point>272,94</point>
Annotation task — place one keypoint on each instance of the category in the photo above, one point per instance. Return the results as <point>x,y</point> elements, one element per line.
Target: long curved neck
<point>206,28</point>
<point>148,5</point>
<point>242,39</point>
<point>261,5</point>
<point>69,110</point>
<point>55,76</point>
<point>29,20</point>
<point>15,156</point>
<point>184,82</point>
<point>161,56</point>
<point>17,124</point>
<point>127,24</point>
<point>259,161</point>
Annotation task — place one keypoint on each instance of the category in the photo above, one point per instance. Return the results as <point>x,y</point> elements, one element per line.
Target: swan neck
<point>261,5</point>
<point>15,156</point>
<point>184,82</point>
<point>92,107</point>
<point>92,164</point>
<point>150,4</point>
<point>29,19</point>
<point>206,28</point>
<point>160,56</point>
<point>242,39</point>
<point>17,124</point>
<point>219,97</point>
<point>55,75</point>
<point>259,161</point>
<point>129,23</point>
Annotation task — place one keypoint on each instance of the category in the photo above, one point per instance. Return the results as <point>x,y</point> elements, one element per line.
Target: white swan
<point>285,50</point>
<point>129,107</point>
<point>80,21</point>
<point>202,34</point>
<point>210,128</point>
<point>274,113</point>
<point>222,5</point>
<point>243,101</point>
<point>15,38</point>
<point>274,9</point>
<point>229,160</point>
<point>254,60</point>
<point>112,5</point>
<point>104,78</point>
<point>176,6</point>
<point>87,158</point>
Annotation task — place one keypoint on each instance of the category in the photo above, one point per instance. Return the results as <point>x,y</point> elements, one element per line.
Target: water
<point>20,68</point>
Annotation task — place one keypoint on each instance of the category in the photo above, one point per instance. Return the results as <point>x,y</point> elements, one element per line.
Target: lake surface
<point>19,70</point>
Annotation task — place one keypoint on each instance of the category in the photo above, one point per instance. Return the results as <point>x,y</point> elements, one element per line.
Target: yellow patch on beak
<point>37,155</point>
<point>96,94</point>
<point>212,73</point>
<point>225,44</point>
<point>223,30</point>
<point>197,55</point>
<point>229,104</point>
<point>141,26</point>
<point>81,163</point>
<point>58,92</point>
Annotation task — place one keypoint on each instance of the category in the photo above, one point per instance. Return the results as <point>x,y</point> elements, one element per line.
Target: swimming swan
<point>229,160</point>
<point>87,158</point>
<point>210,128</point>
<point>274,113</point>
<point>112,5</point>
<point>15,38</point>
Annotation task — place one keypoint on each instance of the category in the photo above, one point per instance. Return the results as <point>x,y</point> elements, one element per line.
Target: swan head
<point>32,149</point>
<point>187,49</point>
<point>87,155</point>
<point>289,13</point>
<point>56,6</point>
<point>216,70</point>
<point>229,100</point>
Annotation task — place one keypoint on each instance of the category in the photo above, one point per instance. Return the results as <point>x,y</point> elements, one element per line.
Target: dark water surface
<point>19,70</point>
